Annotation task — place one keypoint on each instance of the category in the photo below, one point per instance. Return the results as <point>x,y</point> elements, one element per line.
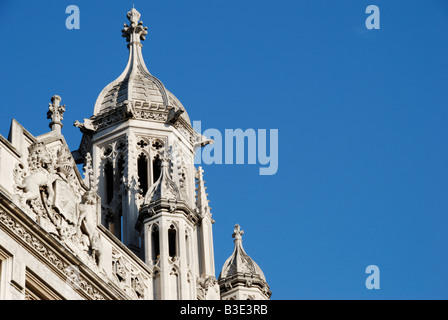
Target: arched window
<point>120,169</point>
<point>172,250</point>
<point>187,247</point>
<point>156,285</point>
<point>174,284</point>
<point>155,243</point>
<point>142,168</point>
<point>156,168</point>
<point>109,181</point>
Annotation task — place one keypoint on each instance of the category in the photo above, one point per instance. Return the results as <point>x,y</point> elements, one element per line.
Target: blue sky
<point>361,115</point>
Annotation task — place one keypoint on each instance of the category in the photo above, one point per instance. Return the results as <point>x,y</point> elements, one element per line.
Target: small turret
<point>241,278</point>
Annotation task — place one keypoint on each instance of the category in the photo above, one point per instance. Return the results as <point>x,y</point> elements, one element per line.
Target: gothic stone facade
<point>137,224</point>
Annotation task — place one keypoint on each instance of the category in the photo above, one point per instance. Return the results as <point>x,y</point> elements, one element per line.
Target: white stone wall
<point>8,160</point>
<point>15,261</point>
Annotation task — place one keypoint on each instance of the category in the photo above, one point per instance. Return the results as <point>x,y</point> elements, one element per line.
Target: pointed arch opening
<point>120,168</point>
<point>109,181</point>
<point>155,243</point>
<point>187,248</point>
<point>174,284</point>
<point>156,168</point>
<point>172,241</point>
<point>142,171</point>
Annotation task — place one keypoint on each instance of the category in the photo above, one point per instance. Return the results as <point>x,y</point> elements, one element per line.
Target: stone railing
<point>124,268</point>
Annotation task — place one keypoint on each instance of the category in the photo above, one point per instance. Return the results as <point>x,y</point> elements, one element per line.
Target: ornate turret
<point>142,149</point>
<point>136,91</point>
<point>241,278</point>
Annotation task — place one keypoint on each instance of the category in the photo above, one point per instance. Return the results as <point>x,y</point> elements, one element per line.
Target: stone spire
<point>163,188</point>
<point>56,113</point>
<point>202,203</point>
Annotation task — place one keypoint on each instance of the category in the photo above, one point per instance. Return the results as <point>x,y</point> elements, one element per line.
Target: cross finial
<point>56,113</point>
<point>135,31</point>
<point>237,232</point>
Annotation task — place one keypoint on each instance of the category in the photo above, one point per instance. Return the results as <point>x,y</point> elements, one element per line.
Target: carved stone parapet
<point>51,257</point>
<point>129,277</point>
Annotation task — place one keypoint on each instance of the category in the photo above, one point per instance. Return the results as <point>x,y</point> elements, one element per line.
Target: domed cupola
<point>136,87</point>
<point>241,278</point>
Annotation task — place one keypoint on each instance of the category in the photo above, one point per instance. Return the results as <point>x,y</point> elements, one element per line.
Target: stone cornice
<point>166,206</point>
<point>244,280</point>
<point>8,144</point>
<point>54,255</point>
<point>135,110</point>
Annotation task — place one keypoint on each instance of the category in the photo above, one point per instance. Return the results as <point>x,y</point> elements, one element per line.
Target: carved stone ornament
<point>135,31</point>
<point>48,254</point>
<point>204,283</point>
<point>55,113</point>
<point>163,188</point>
<point>48,190</point>
<point>128,276</point>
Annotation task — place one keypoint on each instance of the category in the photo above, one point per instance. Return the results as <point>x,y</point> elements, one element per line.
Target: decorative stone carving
<point>114,153</point>
<point>151,115</point>
<point>88,173</point>
<point>201,141</point>
<point>48,255</point>
<point>109,117</point>
<point>56,113</point>
<point>87,127</point>
<point>48,190</point>
<point>135,31</point>
<point>174,115</point>
<point>157,145</point>
<point>41,175</point>
<point>150,146</point>
<point>87,222</point>
<point>186,130</point>
<point>163,188</point>
<point>112,150</point>
<point>134,187</point>
<point>178,168</point>
<point>204,284</point>
<point>129,277</point>
<point>202,202</point>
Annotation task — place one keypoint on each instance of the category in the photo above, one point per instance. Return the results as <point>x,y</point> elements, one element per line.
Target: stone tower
<point>138,149</point>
